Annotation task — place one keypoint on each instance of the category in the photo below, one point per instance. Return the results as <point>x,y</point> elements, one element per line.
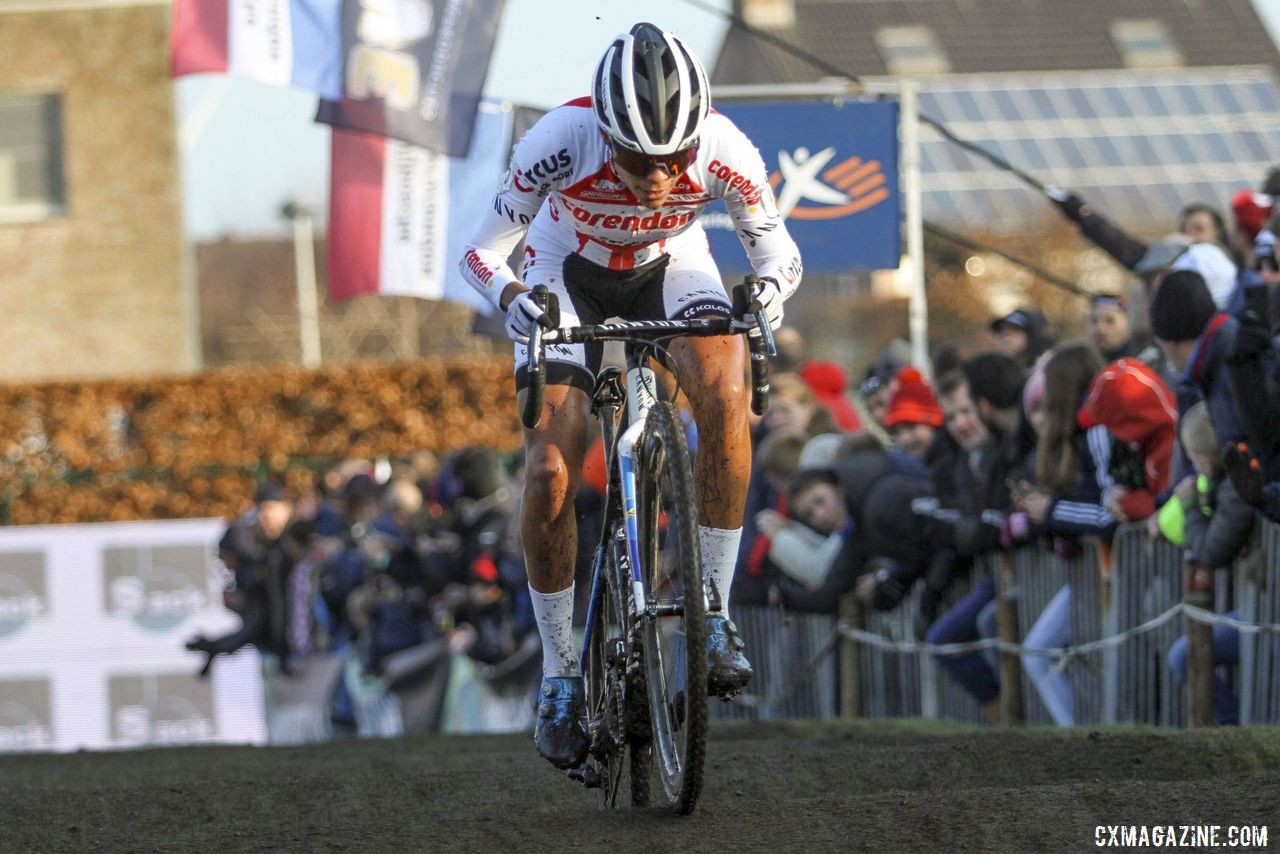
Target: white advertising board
<point>93,619</point>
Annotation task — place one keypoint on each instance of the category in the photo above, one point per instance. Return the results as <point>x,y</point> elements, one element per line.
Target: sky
<point>248,148</point>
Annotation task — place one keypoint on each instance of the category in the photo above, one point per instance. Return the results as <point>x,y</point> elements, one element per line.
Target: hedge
<point>192,446</point>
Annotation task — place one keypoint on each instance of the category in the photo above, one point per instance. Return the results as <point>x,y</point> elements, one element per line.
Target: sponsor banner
<point>281,42</point>
<point>93,619</point>
<point>24,594</point>
<point>399,215</point>
<point>834,171</point>
<point>26,715</point>
<point>414,69</point>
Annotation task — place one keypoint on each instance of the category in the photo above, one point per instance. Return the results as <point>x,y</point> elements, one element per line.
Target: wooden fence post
<point>1199,593</point>
<point>1012,712</point>
<point>851,614</point>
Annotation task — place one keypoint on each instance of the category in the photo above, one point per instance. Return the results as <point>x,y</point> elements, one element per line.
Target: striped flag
<point>399,215</point>
<point>282,42</point>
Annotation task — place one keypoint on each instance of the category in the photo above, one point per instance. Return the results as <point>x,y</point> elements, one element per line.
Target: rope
<point>1026,265</point>
<point>950,649</point>
<point>833,70</point>
<point>1200,615</point>
<point>946,133</point>
<point>1063,654</point>
<point>751,701</point>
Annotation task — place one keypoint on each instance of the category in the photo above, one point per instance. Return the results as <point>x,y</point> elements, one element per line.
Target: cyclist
<point>606,190</point>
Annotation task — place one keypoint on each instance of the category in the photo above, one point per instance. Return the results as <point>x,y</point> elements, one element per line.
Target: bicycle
<point>645,635</point>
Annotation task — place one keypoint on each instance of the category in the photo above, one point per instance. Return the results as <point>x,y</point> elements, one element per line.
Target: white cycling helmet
<point>650,93</point>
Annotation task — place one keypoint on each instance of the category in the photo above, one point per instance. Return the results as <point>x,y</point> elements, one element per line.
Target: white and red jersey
<point>561,189</point>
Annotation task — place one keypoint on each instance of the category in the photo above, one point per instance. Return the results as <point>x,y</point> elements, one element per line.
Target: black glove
<point>1070,203</point>
<point>1246,474</point>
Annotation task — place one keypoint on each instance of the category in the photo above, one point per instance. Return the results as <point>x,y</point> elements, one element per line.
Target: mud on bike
<point>643,653</point>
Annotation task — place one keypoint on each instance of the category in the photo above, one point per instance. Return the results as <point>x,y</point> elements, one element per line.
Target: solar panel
<point>1136,144</point>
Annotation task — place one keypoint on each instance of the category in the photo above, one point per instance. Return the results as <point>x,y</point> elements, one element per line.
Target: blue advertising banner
<point>834,171</point>
<point>414,69</point>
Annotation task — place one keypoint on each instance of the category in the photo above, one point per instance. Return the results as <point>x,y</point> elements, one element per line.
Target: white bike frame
<point>641,397</point>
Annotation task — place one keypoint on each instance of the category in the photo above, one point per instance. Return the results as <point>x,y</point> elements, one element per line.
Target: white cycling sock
<point>554,613</point>
<point>719,558</point>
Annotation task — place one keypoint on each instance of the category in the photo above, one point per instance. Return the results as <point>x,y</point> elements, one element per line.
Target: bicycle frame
<point>625,441</point>
<point>640,396</point>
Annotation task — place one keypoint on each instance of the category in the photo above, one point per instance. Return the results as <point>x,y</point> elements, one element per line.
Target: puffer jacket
<point>878,489</point>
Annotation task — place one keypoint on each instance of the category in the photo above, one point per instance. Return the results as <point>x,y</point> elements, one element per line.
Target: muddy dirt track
<point>771,787</point>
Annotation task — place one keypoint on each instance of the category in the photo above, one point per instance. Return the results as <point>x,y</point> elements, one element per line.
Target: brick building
<point>91,251</point>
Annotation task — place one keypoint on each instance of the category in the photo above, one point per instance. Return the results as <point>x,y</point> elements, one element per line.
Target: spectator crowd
<point>1167,413</point>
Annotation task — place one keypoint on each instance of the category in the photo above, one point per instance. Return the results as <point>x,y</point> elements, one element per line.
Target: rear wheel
<point>673,627</point>
<point>641,768</point>
<point>603,670</point>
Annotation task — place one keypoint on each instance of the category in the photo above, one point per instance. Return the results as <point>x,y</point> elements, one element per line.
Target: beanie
<point>912,402</point>
<point>1181,307</point>
<point>267,491</point>
<point>827,382</point>
<point>1215,267</point>
<point>1251,211</point>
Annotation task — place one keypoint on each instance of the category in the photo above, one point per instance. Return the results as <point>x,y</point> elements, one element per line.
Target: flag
<point>414,69</point>
<point>282,42</point>
<point>399,215</point>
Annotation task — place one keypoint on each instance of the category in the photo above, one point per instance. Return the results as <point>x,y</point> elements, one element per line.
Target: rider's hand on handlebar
<point>522,315</point>
<point>769,296</point>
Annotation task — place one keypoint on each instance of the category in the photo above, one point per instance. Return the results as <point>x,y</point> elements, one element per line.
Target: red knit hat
<point>1251,211</point>
<point>912,401</point>
<point>827,382</point>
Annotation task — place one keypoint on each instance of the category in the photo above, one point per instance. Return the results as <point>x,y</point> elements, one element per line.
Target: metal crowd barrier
<point>795,670</point>
<point>1037,578</point>
<point>1116,588</point>
<point>1258,597</point>
<point>952,702</point>
<point>1146,580</point>
<point>1084,575</point>
<point>891,681</point>
<point>896,684</point>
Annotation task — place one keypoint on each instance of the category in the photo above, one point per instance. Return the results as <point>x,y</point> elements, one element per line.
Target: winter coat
<point>878,489</point>
<point>1214,539</point>
<point>1139,410</point>
<point>1209,377</point>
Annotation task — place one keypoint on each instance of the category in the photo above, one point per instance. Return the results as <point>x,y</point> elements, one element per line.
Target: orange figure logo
<point>844,189</point>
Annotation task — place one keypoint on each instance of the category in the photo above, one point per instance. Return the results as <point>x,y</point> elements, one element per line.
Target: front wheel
<point>673,625</point>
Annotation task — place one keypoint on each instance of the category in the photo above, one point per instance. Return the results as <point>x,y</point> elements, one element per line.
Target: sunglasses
<point>635,163</point>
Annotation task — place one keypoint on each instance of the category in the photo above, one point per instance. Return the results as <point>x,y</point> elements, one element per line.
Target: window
<point>30,158</point>
<point>911,50</point>
<point>1145,44</point>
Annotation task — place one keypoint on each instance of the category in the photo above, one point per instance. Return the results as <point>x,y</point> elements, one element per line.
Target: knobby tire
<point>673,574</point>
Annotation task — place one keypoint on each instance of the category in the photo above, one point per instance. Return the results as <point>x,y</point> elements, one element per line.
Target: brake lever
<point>762,323</point>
